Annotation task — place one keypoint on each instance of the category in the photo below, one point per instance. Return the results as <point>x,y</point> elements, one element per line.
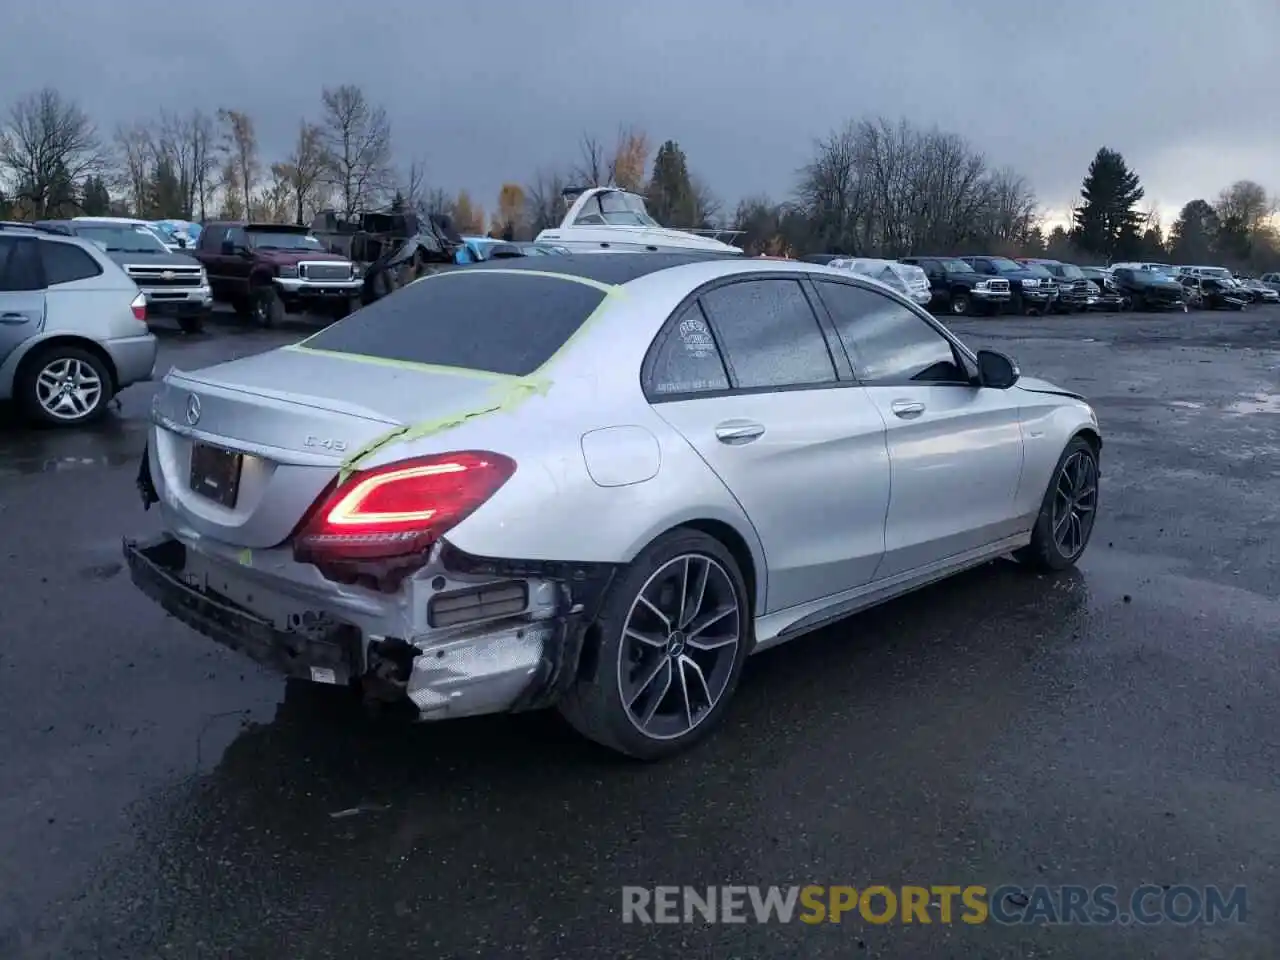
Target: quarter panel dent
<point>621,456</point>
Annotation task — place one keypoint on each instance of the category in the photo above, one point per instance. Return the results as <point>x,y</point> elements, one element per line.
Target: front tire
<point>65,387</point>
<point>960,305</point>
<point>672,636</point>
<point>268,308</point>
<point>1068,511</point>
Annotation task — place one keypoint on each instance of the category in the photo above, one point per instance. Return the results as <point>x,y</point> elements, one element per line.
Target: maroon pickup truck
<point>266,270</point>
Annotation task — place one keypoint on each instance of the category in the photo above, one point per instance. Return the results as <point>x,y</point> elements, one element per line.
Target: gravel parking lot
<point>161,797</point>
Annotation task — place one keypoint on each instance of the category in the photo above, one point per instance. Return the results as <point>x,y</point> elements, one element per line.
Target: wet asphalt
<point>160,797</point>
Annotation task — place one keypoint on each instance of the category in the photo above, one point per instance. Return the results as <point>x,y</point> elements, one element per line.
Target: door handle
<point>906,409</point>
<point>738,431</point>
<point>14,318</point>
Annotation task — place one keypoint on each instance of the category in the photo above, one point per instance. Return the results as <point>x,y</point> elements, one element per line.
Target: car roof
<point>610,268</point>
<point>257,225</point>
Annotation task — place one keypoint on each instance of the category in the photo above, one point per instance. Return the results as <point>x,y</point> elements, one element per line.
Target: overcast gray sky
<point>489,90</point>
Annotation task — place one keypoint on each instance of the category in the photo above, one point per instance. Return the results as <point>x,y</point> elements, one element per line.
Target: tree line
<point>873,187</point>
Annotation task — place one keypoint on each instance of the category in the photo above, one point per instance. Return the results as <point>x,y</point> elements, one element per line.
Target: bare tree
<point>414,187</point>
<point>302,171</point>
<point>592,169</point>
<point>1010,207</point>
<point>706,205</point>
<point>47,145</point>
<point>544,202</point>
<point>357,139</point>
<point>275,202</point>
<point>136,150</point>
<point>1247,204</point>
<point>176,144</point>
<point>831,193</point>
<point>436,202</point>
<point>202,134</point>
<point>240,149</point>
<point>888,187</point>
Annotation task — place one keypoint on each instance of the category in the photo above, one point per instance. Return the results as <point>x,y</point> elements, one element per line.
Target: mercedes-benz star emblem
<point>193,410</point>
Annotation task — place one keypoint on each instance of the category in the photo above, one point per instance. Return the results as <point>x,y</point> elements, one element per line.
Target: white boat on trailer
<point>609,219</point>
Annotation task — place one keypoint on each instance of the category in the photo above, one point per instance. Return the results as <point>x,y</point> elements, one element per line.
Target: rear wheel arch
<point>44,347</point>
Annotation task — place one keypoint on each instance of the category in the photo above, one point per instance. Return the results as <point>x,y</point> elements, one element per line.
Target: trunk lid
<point>294,416</point>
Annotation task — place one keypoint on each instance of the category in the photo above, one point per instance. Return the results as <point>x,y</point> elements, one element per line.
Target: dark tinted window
<point>19,264</point>
<point>64,263</point>
<point>887,341</point>
<point>687,359</point>
<point>211,238</point>
<point>508,323</point>
<point>769,334</point>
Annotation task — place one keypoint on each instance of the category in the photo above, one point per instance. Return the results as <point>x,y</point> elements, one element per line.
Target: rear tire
<point>1067,512</point>
<point>660,682</point>
<point>41,393</point>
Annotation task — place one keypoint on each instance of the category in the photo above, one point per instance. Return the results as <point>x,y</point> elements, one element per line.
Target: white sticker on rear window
<point>696,338</point>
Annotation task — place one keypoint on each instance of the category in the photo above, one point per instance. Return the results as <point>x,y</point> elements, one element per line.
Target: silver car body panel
<point>840,503</point>
<point>96,310</point>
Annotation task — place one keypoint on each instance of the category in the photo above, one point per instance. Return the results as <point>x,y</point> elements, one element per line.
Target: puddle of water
<point>1257,403</point>
<point>29,466</point>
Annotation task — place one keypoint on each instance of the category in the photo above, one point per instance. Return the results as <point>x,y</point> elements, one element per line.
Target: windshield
<point>1008,266</point>
<point>281,240</point>
<point>618,209</point>
<point>1036,270</point>
<point>1222,273</point>
<point>121,238</point>
<point>1071,271</point>
<point>955,266</point>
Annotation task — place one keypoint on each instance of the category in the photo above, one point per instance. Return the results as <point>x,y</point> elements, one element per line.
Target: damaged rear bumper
<point>508,663</point>
<point>156,569</point>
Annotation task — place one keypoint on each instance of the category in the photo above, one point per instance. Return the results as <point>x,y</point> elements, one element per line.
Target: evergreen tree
<point>670,194</point>
<point>96,199</point>
<point>1107,223</point>
<point>1195,233</point>
<point>166,193</point>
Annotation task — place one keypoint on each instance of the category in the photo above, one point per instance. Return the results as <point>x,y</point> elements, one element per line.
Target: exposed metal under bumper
<point>155,568</point>
<point>486,672</point>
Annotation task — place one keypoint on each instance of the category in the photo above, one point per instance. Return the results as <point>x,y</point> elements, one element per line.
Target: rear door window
<point>769,334</point>
<point>473,319</point>
<point>19,264</point>
<point>66,263</point>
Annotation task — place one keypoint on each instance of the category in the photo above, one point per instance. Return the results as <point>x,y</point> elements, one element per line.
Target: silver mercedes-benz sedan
<point>598,484</point>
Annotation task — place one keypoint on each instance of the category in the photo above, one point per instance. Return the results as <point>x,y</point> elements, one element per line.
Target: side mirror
<point>997,371</point>
<point>228,248</point>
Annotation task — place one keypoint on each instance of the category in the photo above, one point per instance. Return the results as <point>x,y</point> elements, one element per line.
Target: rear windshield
<point>475,319</point>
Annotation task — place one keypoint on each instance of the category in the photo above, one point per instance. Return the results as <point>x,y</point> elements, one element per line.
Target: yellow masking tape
<point>504,397</point>
<point>507,394</point>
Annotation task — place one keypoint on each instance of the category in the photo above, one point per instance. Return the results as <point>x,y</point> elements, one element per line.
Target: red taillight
<point>139,306</point>
<point>398,511</point>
